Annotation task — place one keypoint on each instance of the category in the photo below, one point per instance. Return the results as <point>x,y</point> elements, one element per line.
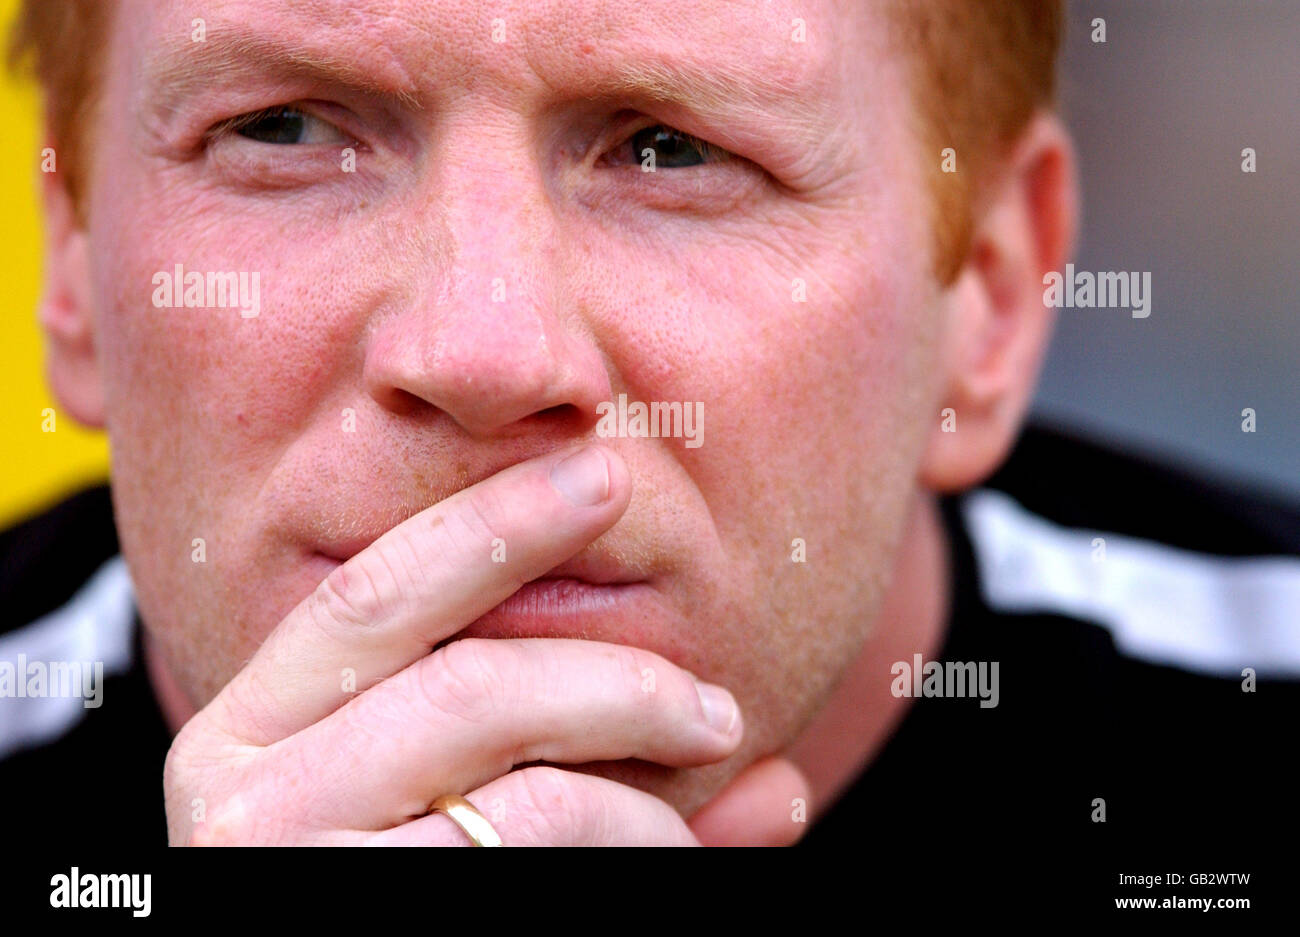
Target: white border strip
<point>96,624</point>
<point>1205,613</point>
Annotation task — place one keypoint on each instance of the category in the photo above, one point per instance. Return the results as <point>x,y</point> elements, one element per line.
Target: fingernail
<point>583,478</point>
<point>720,709</point>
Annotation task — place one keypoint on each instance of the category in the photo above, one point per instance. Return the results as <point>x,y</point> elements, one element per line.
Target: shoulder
<point>1075,482</point>
<point>1182,570</point>
<point>67,619</point>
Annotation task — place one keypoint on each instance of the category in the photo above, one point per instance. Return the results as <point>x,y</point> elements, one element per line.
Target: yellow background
<point>36,468</point>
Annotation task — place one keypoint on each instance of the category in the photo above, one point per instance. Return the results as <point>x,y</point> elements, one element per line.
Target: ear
<point>997,324</point>
<point>66,313</point>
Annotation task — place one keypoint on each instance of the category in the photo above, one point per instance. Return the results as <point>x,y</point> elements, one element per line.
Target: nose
<point>492,334</point>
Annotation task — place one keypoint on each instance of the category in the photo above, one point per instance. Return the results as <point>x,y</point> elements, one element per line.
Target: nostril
<point>403,402</point>
<point>564,416</point>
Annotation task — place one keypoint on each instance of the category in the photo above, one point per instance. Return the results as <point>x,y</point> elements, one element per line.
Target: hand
<point>285,755</point>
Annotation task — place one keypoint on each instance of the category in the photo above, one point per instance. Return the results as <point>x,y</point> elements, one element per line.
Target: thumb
<point>765,805</point>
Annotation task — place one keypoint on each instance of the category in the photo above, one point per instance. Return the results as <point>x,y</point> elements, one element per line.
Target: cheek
<point>203,402</point>
<point>212,383</point>
<point>814,364</point>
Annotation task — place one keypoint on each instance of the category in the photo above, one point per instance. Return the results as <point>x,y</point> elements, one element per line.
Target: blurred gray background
<point>1161,113</point>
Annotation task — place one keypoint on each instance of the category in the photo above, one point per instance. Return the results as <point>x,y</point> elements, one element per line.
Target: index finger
<point>419,583</point>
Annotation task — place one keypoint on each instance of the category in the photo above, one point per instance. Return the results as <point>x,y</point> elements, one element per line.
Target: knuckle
<point>472,679</point>
<point>352,595</point>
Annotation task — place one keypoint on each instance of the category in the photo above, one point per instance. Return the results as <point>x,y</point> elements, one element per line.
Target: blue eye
<point>287,125</point>
<point>673,149</point>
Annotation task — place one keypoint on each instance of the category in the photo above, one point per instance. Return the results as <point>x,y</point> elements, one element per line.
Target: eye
<point>671,148</point>
<point>286,125</point>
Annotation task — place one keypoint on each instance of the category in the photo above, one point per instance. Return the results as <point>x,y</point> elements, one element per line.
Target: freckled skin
<point>376,296</point>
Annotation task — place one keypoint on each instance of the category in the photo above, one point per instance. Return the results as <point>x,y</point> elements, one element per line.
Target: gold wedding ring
<point>466,816</point>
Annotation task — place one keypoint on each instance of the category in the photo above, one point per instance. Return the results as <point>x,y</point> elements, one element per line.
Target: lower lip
<point>555,608</point>
<point>566,608</point>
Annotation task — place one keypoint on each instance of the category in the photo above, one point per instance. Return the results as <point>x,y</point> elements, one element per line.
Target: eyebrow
<point>181,67</point>
<point>721,89</point>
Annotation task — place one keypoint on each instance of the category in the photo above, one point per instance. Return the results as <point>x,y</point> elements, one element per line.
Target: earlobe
<point>997,324</point>
<point>66,311</point>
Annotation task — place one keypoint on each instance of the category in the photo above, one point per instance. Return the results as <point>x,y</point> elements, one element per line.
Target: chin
<point>686,790</point>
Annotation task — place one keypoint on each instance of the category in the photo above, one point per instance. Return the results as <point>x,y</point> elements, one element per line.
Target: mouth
<point>589,596</point>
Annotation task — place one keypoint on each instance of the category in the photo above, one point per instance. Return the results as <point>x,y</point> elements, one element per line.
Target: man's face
<point>496,266</point>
